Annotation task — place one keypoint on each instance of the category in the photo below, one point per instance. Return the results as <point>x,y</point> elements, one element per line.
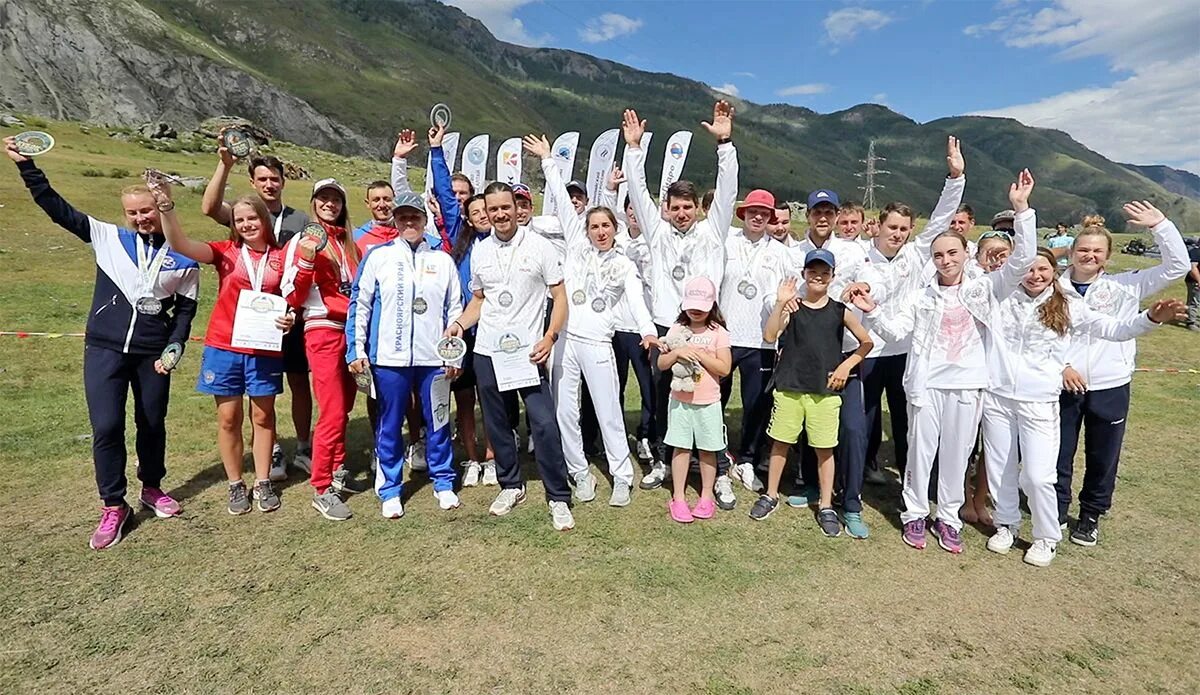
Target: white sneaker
<point>471,473</point>
<point>489,473</point>
<point>303,460</point>
<point>278,472</point>
<point>620,494</point>
<point>416,456</point>
<point>744,472</point>
<point>585,487</point>
<point>656,476</point>
<point>560,515</point>
<point>447,499</point>
<point>506,501</point>
<point>723,491</point>
<point>644,452</point>
<point>392,509</point>
<point>1041,553</point>
<point>1001,541</point>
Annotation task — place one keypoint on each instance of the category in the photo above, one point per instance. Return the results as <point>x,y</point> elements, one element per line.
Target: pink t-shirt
<point>708,390</point>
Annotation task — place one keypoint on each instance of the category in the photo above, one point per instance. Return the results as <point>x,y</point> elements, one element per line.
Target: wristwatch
<point>167,206</point>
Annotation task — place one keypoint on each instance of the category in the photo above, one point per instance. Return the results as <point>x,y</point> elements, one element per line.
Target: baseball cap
<point>819,256</point>
<point>578,185</point>
<point>328,183</point>
<point>756,198</point>
<point>699,294</point>
<point>823,195</point>
<point>1004,215</point>
<point>520,190</point>
<point>408,199</point>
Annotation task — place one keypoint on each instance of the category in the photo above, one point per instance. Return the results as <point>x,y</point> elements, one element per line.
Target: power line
<point>870,174</point>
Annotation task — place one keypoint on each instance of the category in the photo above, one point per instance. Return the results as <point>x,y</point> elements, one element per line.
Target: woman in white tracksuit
<point>602,285</point>
<point>404,296</point>
<point>945,375</point>
<point>1096,382</point>
<point>1026,342</point>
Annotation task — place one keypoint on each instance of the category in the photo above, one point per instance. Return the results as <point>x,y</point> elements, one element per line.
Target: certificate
<point>254,322</point>
<point>439,391</point>
<point>511,363</point>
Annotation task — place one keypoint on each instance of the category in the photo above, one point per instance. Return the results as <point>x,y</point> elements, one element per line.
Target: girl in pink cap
<point>694,418</point>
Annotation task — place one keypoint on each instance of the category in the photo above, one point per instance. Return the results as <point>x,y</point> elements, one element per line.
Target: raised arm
<point>634,167</point>
<point>196,250</point>
<point>59,210</point>
<point>213,204</point>
<point>948,201</point>
<point>1174,264</point>
<point>778,320</point>
<point>452,219</point>
<point>720,215</point>
<point>1006,279</point>
<point>406,142</point>
<point>572,226</point>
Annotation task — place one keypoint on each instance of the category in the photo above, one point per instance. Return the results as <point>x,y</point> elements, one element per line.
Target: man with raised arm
<point>681,248</point>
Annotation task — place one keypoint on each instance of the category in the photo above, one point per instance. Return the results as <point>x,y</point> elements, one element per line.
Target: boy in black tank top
<point>809,374</point>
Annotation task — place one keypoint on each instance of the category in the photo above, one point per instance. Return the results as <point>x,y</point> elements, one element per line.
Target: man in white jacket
<point>682,248</point>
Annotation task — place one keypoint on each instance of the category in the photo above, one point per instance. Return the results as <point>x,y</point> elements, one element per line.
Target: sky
<point>1121,76</point>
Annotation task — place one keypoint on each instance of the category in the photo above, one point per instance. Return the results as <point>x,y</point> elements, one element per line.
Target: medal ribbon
<point>255,272</point>
<point>148,266</point>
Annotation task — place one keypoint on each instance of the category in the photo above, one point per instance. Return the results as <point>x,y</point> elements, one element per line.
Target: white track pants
<point>944,427</point>
<point>1020,446</point>
<point>575,360</point>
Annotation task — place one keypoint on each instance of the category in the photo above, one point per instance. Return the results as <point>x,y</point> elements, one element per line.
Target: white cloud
<point>499,17</point>
<point>745,74</point>
<point>1151,114</point>
<point>881,99</point>
<point>803,89</point>
<point>728,88</point>
<point>608,26</point>
<point>845,24</point>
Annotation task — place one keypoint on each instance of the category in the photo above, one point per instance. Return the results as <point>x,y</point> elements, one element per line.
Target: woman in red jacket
<point>318,282</point>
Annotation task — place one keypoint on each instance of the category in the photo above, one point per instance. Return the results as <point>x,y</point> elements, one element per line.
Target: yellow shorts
<point>817,415</point>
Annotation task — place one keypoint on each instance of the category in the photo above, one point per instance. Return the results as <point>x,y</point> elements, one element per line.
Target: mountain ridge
<point>344,75</point>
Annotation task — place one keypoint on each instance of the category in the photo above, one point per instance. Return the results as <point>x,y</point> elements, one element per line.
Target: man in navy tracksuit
<point>144,300</point>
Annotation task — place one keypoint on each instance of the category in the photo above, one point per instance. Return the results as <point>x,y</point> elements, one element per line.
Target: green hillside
<point>375,65</point>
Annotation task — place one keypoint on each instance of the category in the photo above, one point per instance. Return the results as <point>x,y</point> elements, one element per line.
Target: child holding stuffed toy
<point>809,374</point>
<point>697,355</point>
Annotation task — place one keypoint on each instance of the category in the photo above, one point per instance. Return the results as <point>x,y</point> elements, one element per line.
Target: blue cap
<point>577,185</point>
<point>823,195</point>
<point>819,256</point>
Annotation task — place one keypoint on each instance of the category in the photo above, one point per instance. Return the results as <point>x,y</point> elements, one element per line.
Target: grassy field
<point>463,603</point>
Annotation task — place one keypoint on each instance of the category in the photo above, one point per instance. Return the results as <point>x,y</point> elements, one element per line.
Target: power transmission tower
<point>870,174</point>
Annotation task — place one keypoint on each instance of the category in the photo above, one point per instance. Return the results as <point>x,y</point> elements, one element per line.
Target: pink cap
<point>699,294</point>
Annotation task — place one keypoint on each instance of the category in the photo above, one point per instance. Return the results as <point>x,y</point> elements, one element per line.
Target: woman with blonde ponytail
<point>1097,373</point>
<point>1028,336</point>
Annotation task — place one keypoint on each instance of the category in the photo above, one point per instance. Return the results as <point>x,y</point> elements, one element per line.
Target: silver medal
<point>505,299</point>
<point>419,305</point>
<point>678,272</point>
<point>747,289</point>
<point>451,349</point>
<point>149,306</point>
<point>578,297</point>
<point>598,305</point>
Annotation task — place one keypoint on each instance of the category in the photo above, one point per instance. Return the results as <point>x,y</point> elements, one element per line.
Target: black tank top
<point>810,348</point>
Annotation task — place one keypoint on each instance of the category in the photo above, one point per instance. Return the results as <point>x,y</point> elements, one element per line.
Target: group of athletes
<point>991,357</point>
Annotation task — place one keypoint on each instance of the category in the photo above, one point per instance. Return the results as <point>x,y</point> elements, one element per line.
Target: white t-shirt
<point>513,276</point>
<point>956,357</point>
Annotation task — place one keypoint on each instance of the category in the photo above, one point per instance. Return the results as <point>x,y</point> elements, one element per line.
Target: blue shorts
<point>227,373</point>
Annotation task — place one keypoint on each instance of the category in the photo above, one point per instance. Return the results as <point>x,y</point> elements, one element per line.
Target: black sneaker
<point>828,520</point>
<point>1087,531</point>
<point>763,507</point>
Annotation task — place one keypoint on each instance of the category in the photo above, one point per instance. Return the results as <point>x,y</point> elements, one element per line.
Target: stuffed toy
<point>684,373</point>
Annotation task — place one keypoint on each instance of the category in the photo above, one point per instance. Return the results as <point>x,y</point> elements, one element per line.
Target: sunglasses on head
<point>996,234</point>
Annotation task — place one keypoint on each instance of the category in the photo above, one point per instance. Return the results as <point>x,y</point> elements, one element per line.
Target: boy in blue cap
<point>809,374</point>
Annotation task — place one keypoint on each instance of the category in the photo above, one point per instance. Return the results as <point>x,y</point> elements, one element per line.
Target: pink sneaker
<point>704,509</point>
<point>164,507</point>
<point>680,512</point>
<point>112,526</point>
